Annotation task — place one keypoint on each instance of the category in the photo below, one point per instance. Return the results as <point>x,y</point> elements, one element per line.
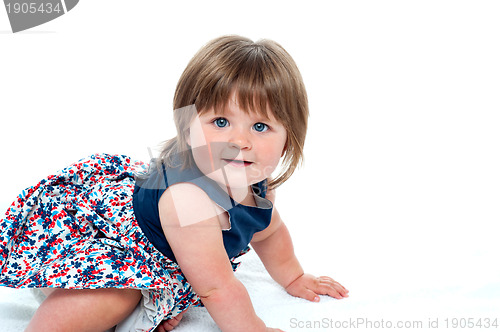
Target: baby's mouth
<point>237,163</point>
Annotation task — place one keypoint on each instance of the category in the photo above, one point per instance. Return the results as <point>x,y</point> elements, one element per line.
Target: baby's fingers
<point>309,295</point>
<point>329,282</point>
<point>332,289</point>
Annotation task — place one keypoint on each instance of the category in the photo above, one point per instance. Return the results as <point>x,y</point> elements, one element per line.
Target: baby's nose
<point>241,140</point>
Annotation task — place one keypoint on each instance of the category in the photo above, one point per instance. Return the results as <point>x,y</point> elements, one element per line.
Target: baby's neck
<point>242,195</point>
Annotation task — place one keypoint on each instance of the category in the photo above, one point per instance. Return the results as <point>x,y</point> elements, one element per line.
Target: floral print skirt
<point>77,230</point>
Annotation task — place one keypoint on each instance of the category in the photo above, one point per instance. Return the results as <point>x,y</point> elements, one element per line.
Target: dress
<point>77,229</point>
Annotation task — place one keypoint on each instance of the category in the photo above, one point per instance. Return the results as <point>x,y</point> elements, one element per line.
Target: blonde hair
<point>264,77</point>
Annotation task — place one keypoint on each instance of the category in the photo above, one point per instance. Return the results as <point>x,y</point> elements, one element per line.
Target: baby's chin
<point>227,179</point>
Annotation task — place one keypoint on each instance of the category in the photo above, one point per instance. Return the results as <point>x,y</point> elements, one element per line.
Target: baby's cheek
<point>269,165</point>
<point>274,156</point>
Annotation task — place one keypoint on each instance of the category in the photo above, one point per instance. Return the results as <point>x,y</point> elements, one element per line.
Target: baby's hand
<point>309,287</point>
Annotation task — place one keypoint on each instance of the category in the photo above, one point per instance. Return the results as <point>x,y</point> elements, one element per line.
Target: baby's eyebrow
<point>255,115</point>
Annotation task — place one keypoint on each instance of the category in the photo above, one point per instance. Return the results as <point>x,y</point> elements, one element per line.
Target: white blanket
<point>361,311</point>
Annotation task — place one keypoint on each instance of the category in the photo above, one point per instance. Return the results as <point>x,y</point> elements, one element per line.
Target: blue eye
<point>260,127</point>
<point>221,122</point>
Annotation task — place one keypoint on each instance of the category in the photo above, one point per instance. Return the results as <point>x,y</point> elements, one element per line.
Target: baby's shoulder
<point>185,204</point>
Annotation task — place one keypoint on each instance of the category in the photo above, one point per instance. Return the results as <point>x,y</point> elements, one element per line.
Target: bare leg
<point>84,309</point>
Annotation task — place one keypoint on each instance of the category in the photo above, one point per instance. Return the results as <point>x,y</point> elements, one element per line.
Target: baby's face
<point>236,149</point>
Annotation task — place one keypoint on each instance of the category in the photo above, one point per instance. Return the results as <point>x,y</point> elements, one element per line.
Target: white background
<point>400,190</point>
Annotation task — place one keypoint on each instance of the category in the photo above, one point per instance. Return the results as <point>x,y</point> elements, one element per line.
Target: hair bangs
<point>244,78</point>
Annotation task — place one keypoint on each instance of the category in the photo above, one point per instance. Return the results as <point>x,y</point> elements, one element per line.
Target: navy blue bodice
<point>244,220</point>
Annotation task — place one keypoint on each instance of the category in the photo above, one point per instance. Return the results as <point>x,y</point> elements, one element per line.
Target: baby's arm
<point>191,225</point>
<point>275,249</point>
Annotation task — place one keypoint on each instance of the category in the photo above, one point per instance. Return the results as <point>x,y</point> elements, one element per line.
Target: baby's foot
<point>169,325</point>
